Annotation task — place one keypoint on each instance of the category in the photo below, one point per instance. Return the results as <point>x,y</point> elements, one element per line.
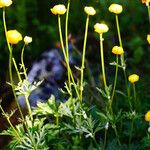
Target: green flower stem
<point>28,106</point>
<point>122,59</point>
<point>10,66</point>
<point>65,57</point>
<point>26,77</point>
<point>116,133</point>
<point>57,119</point>
<point>134,93</point>
<point>22,62</point>
<point>120,41</point>
<point>102,63</point>
<point>13,128</point>
<point>66,35</point>
<point>130,136</point>
<point>105,139</point>
<point>14,62</point>
<point>83,57</point>
<point>148,8</point>
<point>115,81</point>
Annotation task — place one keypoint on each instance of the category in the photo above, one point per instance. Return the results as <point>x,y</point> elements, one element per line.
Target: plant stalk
<point>83,57</point>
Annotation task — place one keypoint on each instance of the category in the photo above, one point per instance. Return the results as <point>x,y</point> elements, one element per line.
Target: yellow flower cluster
<point>13,36</point>
<point>133,78</point>
<point>100,28</point>
<point>148,38</point>
<point>147,116</point>
<point>117,50</point>
<point>115,8</point>
<point>58,9</point>
<point>89,10</point>
<point>5,3</point>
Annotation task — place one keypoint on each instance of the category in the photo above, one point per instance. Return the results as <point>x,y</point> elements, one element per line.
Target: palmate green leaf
<point>64,110</point>
<point>9,132</point>
<point>45,109</point>
<point>102,92</point>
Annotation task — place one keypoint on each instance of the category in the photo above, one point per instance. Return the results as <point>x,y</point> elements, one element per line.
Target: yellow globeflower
<point>145,1</point>
<point>58,9</point>
<point>147,116</point>
<point>27,40</point>
<point>115,8</point>
<point>13,36</point>
<point>90,10</point>
<point>133,78</point>
<point>5,3</point>
<point>148,38</point>
<point>100,28</point>
<point>117,50</point>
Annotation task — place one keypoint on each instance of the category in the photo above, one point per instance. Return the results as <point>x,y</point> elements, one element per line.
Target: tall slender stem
<point>130,136</point>
<point>102,63</point>
<point>134,93</point>
<point>122,59</point>
<point>116,133</point>
<point>65,57</point>
<point>22,62</point>
<point>105,139</point>
<point>120,41</point>
<point>115,81</point>
<point>10,65</point>
<point>15,65</point>
<point>83,57</point>
<point>66,35</point>
<point>148,8</point>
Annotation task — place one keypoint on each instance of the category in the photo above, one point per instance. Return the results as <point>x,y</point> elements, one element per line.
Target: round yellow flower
<point>145,1</point>
<point>89,10</point>
<point>133,78</point>
<point>27,40</point>
<point>5,3</point>
<point>117,50</point>
<point>148,38</point>
<point>58,9</point>
<point>13,36</point>
<point>147,116</point>
<point>115,8</point>
<point>100,28</point>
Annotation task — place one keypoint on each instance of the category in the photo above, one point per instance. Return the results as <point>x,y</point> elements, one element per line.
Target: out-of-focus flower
<point>27,40</point>
<point>148,38</point>
<point>58,9</point>
<point>5,3</point>
<point>89,10</point>
<point>117,50</point>
<point>145,1</point>
<point>115,8</point>
<point>133,78</point>
<point>100,28</point>
<point>13,36</point>
<point>147,116</point>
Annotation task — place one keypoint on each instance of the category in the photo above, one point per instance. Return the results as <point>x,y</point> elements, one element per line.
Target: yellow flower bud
<point>133,78</point>
<point>5,3</point>
<point>115,8</point>
<point>27,40</point>
<point>100,28</point>
<point>147,116</point>
<point>117,50</point>
<point>58,9</point>
<point>13,36</point>
<point>148,38</point>
<point>89,10</point>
